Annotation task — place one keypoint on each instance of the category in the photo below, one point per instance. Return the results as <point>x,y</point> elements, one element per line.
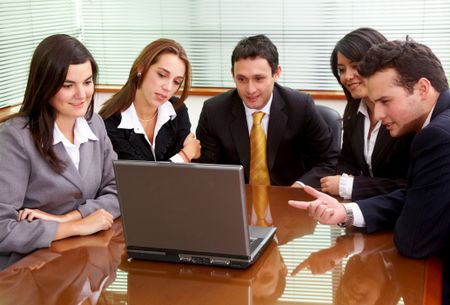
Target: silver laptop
<point>192,213</point>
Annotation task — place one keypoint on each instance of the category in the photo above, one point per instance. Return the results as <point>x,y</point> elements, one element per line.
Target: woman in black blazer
<point>144,120</point>
<point>371,161</point>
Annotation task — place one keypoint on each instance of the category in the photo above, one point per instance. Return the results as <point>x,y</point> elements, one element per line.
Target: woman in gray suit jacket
<point>56,175</point>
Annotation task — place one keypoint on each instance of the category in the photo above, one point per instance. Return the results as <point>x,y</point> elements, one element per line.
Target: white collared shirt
<point>82,134</point>
<point>346,181</point>
<point>130,120</point>
<point>265,121</point>
<point>428,120</point>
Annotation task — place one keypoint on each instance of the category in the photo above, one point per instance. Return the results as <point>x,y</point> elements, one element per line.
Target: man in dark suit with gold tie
<point>275,132</point>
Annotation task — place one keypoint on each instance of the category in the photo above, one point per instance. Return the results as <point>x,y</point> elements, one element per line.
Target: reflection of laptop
<point>190,284</point>
<point>193,213</point>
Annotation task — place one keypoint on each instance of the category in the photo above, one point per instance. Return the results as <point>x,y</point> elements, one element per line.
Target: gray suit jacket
<point>28,181</point>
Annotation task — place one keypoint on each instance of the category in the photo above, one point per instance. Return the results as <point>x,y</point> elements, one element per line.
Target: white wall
<point>195,103</point>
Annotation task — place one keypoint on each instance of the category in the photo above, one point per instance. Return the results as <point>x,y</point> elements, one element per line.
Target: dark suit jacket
<point>390,159</point>
<point>420,213</point>
<point>169,141</point>
<point>299,143</point>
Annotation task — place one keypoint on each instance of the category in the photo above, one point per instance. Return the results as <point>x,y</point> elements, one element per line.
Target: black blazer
<point>169,141</point>
<point>420,213</point>
<point>299,143</point>
<point>390,158</point>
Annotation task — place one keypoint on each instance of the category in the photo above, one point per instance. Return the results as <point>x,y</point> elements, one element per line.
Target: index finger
<point>299,204</point>
<point>312,191</point>
<point>300,267</point>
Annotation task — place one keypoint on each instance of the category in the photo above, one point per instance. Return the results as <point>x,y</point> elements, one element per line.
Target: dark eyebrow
<point>165,70</point>
<point>381,98</point>
<point>168,72</point>
<point>72,82</point>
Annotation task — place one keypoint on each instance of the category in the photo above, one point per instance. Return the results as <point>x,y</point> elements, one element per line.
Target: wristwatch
<point>349,221</point>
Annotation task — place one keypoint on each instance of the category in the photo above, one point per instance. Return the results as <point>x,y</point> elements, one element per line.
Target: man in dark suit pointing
<point>297,146</point>
<point>408,85</point>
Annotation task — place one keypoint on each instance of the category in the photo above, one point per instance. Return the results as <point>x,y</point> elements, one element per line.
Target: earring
<point>139,74</point>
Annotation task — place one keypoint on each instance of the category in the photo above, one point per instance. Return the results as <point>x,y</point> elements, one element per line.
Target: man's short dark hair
<point>256,46</point>
<point>410,59</point>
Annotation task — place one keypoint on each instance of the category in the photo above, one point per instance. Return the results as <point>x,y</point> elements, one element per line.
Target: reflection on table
<point>71,271</point>
<point>307,263</point>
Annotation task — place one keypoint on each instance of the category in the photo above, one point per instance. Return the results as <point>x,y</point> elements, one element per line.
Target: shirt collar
<point>130,119</point>
<point>265,109</point>
<point>82,133</point>
<point>427,121</point>
<point>363,108</point>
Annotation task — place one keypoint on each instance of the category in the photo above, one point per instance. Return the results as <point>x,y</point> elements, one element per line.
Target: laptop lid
<point>192,213</point>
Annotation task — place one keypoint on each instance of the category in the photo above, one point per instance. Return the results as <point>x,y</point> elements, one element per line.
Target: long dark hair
<point>148,57</point>
<point>354,46</point>
<point>48,71</point>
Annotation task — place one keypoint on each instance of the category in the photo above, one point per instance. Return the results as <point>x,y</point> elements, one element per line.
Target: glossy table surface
<point>307,263</point>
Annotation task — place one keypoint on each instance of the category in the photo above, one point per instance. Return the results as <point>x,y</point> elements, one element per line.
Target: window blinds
<point>23,24</point>
<point>115,31</point>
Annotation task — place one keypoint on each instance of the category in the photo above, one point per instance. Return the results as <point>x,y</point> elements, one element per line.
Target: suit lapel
<point>276,128</point>
<point>239,133</point>
<point>383,138</point>
<point>165,138</point>
<point>70,173</point>
<point>140,144</point>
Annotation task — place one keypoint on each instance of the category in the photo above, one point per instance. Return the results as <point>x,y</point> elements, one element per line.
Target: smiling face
<point>254,81</point>
<point>400,111</point>
<point>161,81</point>
<point>74,97</point>
<point>350,78</point>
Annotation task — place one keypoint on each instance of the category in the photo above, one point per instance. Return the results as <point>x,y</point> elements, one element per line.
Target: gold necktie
<point>259,173</point>
<point>260,204</point>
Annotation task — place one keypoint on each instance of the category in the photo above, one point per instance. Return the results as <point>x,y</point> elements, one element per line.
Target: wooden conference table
<point>308,263</point>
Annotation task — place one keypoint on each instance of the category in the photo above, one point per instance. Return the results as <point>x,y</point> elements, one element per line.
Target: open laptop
<point>192,213</point>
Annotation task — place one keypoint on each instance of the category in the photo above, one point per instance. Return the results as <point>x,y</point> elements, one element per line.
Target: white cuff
<point>346,186</point>
<point>177,159</point>
<point>358,218</point>
<point>300,183</point>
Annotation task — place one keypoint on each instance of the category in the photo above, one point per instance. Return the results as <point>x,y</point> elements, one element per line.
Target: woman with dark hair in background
<point>144,120</point>
<point>56,175</point>
<point>371,161</point>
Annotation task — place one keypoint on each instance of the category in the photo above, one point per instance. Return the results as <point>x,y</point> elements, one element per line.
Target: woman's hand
<point>97,221</point>
<point>191,147</point>
<point>32,214</point>
<point>330,184</point>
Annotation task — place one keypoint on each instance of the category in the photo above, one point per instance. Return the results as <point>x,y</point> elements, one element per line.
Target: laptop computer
<point>190,213</point>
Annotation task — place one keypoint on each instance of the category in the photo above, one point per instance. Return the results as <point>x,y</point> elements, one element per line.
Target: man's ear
<point>424,87</point>
<point>277,73</point>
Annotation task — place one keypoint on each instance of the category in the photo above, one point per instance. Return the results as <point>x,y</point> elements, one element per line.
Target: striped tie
<point>259,174</point>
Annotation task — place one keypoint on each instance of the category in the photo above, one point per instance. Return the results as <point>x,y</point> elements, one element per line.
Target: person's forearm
<point>66,229</point>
